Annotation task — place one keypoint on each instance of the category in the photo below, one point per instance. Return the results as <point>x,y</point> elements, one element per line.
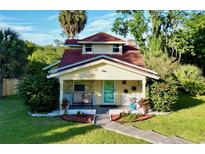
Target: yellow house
<point>101,70</point>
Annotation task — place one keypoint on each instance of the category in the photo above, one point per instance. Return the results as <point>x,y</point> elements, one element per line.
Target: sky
<point>42,27</point>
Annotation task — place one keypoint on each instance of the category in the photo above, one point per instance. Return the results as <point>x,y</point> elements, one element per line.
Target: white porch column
<point>143,87</point>
<point>61,95</point>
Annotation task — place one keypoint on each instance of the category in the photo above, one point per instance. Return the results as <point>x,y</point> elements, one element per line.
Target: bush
<point>191,79</point>
<point>163,65</point>
<point>39,93</point>
<point>162,96</point>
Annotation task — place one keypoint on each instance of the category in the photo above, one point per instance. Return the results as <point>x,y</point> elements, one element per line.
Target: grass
<point>16,126</point>
<point>187,121</point>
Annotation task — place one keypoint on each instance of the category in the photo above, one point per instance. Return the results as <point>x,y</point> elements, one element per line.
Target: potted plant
<point>64,105</point>
<point>144,104</point>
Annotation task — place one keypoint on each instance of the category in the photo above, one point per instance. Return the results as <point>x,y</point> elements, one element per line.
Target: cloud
<point>18,28</point>
<point>100,24</point>
<point>2,17</point>
<point>41,38</point>
<point>52,17</point>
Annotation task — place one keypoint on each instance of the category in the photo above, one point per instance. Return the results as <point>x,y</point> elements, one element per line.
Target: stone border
<point>69,111</point>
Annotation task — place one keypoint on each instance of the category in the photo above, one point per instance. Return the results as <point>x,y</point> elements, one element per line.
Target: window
<point>124,82</point>
<point>88,48</point>
<point>79,87</point>
<point>116,48</point>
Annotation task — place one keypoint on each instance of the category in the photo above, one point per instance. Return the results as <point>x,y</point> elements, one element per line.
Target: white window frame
<point>91,47</point>
<point>116,46</point>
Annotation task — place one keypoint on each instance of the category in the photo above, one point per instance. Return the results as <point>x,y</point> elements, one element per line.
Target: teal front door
<point>109,90</point>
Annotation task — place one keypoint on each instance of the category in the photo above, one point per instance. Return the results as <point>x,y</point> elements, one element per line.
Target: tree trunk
<point>1,85</point>
<point>180,55</point>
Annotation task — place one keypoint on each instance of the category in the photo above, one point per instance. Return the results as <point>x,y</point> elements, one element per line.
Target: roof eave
<point>102,42</point>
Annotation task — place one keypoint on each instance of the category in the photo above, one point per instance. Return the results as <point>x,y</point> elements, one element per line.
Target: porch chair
<point>87,98</point>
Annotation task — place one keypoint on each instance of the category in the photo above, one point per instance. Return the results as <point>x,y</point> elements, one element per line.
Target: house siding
<point>96,87</point>
<point>102,49</point>
<point>102,72</point>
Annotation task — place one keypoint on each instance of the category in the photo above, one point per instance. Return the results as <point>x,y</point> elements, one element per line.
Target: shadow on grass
<point>18,127</point>
<point>186,101</point>
<point>53,135</point>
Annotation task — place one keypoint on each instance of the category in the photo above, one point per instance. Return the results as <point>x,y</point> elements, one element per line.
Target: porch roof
<point>104,68</point>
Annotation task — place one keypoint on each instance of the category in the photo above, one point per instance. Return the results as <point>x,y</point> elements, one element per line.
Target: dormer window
<point>88,48</point>
<point>116,48</point>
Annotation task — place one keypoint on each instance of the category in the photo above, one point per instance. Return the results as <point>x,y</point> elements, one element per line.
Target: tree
<point>42,57</point>
<point>133,22</point>
<point>196,26</point>
<point>191,79</point>
<point>13,53</point>
<point>72,22</point>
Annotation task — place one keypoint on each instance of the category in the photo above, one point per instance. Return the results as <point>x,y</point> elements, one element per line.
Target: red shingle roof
<point>102,37</point>
<point>71,41</point>
<point>129,56</point>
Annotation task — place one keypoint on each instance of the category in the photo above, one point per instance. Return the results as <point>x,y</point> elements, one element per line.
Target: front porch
<point>101,95</point>
<point>99,108</point>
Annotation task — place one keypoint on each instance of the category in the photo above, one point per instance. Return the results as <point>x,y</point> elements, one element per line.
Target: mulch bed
<point>88,118</point>
<point>116,117</point>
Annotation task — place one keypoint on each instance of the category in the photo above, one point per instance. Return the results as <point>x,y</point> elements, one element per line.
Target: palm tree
<point>72,22</point>
<point>12,55</point>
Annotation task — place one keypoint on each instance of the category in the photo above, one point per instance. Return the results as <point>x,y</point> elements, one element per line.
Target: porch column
<point>143,87</point>
<point>61,95</point>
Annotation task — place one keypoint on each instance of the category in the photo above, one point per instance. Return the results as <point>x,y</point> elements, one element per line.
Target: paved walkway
<point>150,136</point>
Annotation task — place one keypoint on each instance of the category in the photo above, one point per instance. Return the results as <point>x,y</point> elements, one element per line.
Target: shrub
<point>191,79</point>
<point>39,93</point>
<point>163,65</point>
<point>162,96</point>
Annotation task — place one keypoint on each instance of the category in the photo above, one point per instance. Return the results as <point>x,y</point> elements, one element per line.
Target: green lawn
<point>16,126</point>
<point>187,121</point>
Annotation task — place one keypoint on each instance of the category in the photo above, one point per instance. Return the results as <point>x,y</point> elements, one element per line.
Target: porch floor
<point>99,109</point>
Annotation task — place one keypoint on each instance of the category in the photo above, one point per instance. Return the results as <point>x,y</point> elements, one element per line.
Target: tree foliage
<point>72,21</point>
<point>163,96</point>
<point>42,57</point>
<point>39,93</point>
<point>191,79</point>
<point>162,64</point>
<point>176,33</point>
<point>13,54</point>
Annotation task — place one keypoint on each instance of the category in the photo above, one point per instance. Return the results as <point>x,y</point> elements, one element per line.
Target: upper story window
<point>88,47</point>
<point>116,48</point>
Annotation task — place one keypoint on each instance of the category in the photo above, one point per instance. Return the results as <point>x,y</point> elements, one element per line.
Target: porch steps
<point>151,136</point>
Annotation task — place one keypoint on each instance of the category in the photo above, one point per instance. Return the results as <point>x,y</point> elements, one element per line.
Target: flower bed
<point>88,118</point>
<point>129,118</point>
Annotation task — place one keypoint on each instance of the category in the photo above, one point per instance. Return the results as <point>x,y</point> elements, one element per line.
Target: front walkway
<point>150,136</point>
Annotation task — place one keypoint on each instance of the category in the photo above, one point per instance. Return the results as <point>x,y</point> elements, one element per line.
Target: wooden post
<point>61,96</point>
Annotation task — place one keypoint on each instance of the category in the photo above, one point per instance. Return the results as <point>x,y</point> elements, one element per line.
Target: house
<point>101,70</point>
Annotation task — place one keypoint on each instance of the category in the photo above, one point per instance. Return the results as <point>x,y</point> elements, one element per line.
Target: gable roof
<point>130,58</point>
<point>74,56</point>
<point>71,41</point>
<point>107,60</point>
<point>102,37</point>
